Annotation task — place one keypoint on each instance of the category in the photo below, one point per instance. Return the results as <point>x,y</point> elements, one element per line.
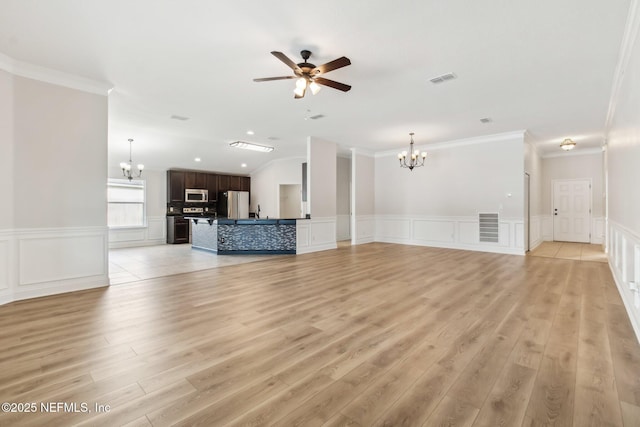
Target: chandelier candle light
<point>416,159</point>
<point>128,166</point>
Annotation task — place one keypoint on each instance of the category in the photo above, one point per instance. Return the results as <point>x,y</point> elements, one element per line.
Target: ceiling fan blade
<point>282,57</point>
<point>268,79</point>
<point>336,85</point>
<point>333,65</point>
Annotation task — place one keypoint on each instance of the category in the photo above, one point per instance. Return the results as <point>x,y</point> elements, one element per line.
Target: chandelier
<point>567,144</point>
<point>416,159</point>
<point>127,167</point>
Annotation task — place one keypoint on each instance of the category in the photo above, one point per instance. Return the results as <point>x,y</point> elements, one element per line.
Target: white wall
<point>55,239</point>
<point>6,149</point>
<point>61,134</point>
<point>155,230</point>
<point>363,197</point>
<point>319,232</point>
<point>623,169</point>
<point>265,184</point>
<point>533,166</point>
<point>438,204</point>
<point>574,166</point>
<point>343,202</point>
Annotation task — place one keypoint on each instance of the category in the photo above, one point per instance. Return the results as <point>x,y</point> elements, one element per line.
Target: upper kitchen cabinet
<point>175,186</point>
<point>197,180</point>
<point>212,186</point>
<point>235,183</point>
<point>245,183</point>
<point>223,183</point>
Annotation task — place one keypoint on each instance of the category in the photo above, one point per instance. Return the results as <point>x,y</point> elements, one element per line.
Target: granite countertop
<point>256,221</point>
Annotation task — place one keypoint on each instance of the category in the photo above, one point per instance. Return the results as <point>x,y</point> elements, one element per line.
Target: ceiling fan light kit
<point>308,75</point>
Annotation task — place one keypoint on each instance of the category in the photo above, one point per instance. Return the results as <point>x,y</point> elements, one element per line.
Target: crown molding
<point>460,142</point>
<point>626,49</point>
<point>48,75</point>
<point>363,152</point>
<point>573,153</point>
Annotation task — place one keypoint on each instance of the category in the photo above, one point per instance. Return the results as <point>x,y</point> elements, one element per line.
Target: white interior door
<point>572,210</point>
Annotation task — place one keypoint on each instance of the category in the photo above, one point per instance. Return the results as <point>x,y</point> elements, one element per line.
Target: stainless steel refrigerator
<point>233,204</point>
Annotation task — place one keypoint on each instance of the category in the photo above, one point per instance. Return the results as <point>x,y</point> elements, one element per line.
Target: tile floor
<point>132,264</point>
<point>567,250</point>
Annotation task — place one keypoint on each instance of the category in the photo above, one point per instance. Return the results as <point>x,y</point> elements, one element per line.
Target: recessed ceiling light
<point>197,159</point>
<point>244,165</point>
<point>250,132</point>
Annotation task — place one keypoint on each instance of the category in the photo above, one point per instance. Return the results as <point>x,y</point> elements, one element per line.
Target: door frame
<point>553,199</point>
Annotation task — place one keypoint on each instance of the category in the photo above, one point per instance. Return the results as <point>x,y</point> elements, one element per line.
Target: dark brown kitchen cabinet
<point>175,186</point>
<point>177,230</point>
<point>196,180</point>
<point>223,183</point>
<point>235,183</point>
<point>245,183</point>
<point>212,186</point>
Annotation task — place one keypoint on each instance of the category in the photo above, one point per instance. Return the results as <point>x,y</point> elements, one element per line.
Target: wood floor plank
<point>334,338</point>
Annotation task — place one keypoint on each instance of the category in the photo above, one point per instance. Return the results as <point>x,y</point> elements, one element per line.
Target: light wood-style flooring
<point>368,335</point>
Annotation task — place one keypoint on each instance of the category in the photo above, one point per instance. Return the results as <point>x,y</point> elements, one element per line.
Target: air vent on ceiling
<point>317,116</point>
<point>486,120</point>
<point>176,117</point>
<point>443,78</point>
<point>489,227</point>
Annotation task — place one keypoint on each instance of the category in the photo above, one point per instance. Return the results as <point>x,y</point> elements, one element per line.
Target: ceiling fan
<point>308,75</point>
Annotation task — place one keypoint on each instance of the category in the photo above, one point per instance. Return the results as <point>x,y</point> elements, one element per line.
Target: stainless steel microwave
<point>196,196</point>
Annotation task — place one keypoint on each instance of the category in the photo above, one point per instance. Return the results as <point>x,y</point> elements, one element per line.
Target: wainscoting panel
<point>303,234</point>
<point>448,232</point>
<point>364,229</point>
<point>434,230</point>
<point>343,227</point>
<point>320,234</point>
<point>51,261</point>
<point>624,262</point>
<point>153,234</point>
<point>535,232</point>
<point>547,228</point>
<point>392,228</point>
<point>597,230</point>
<point>157,228</point>
<point>468,232</point>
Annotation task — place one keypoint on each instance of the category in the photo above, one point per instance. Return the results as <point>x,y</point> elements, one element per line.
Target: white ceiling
<point>546,66</point>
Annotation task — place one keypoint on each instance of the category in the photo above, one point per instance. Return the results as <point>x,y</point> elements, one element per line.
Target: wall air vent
<point>443,78</point>
<point>489,227</point>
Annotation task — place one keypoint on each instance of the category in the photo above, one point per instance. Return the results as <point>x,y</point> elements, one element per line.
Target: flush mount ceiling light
<point>127,167</point>
<point>567,144</point>
<point>251,146</point>
<point>416,159</point>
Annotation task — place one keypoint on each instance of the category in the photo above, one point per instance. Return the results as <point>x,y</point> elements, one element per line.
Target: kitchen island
<point>244,236</point>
